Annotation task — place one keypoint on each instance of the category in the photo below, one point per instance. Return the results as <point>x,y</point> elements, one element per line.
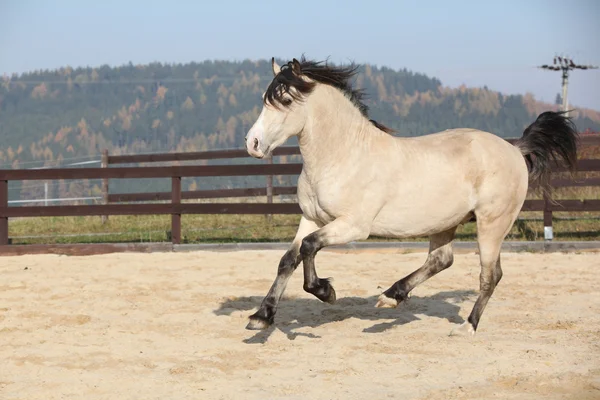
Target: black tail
<point>550,141</point>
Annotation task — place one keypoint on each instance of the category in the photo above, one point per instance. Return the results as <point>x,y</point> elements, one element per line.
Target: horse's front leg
<point>265,315</point>
<point>340,231</point>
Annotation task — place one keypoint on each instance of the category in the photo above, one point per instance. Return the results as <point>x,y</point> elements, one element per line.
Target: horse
<point>359,179</point>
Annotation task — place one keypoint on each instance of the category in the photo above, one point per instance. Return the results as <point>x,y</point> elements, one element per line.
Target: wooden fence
<point>113,202</point>
<point>268,190</point>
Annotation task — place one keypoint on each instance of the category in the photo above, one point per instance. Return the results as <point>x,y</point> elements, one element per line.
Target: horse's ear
<point>296,67</point>
<point>275,66</point>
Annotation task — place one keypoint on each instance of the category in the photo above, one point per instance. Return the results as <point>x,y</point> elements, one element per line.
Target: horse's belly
<point>404,221</point>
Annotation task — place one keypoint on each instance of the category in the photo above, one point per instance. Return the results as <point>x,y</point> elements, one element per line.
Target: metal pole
<point>565,65</point>
<point>46,193</point>
<point>548,231</point>
<point>565,85</point>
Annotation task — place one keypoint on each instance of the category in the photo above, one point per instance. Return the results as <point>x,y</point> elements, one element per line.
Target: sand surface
<point>171,326</point>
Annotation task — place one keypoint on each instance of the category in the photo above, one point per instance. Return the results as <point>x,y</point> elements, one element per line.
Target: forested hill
<point>48,116</point>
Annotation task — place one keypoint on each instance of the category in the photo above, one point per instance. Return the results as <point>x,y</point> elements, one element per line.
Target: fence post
<point>548,234</point>
<point>104,183</point>
<point>269,188</point>
<point>3,220</point>
<point>175,218</point>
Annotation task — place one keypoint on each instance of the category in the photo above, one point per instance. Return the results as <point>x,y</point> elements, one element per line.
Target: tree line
<point>49,116</point>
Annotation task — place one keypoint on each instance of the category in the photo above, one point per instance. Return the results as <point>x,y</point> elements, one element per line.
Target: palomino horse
<point>358,179</point>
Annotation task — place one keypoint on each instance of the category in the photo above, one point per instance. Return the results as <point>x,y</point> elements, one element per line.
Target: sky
<point>494,43</point>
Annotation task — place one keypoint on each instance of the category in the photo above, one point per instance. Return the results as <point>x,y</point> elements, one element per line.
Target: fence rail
<point>151,172</point>
<point>176,207</point>
<point>195,156</point>
<point>201,194</point>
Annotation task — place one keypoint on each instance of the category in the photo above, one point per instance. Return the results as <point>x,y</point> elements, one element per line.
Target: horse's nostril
<point>255,144</point>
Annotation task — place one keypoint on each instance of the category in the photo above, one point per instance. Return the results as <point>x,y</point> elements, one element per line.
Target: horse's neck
<point>336,132</point>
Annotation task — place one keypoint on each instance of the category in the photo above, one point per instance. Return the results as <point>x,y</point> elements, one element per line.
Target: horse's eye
<point>286,101</point>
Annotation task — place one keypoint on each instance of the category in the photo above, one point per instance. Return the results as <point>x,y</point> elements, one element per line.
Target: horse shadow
<point>294,314</point>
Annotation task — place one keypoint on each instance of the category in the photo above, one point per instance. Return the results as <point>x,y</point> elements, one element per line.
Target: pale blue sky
<point>478,43</point>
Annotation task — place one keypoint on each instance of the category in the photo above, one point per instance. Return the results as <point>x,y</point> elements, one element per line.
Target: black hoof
<point>397,294</point>
<point>324,291</point>
<point>331,297</point>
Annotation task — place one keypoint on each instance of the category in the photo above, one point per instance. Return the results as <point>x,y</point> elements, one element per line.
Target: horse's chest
<point>317,203</point>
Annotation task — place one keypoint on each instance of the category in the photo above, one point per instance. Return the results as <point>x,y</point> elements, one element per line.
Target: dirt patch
<point>171,325</point>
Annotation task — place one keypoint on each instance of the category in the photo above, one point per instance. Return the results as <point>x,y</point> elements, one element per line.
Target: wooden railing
<point>175,208</point>
<point>268,190</point>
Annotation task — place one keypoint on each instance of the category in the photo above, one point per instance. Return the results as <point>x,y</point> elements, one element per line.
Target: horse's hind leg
<point>490,234</point>
<point>440,257</point>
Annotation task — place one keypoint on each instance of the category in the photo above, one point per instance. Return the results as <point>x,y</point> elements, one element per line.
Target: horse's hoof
<point>386,302</point>
<point>258,323</point>
<point>464,329</point>
<point>324,291</point>
<point>332,297</point>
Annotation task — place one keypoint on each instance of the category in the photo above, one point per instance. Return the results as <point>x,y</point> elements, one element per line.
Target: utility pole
<point>565,65</point>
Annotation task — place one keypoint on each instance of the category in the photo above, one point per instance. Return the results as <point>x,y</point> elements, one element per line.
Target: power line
<point>47,185</point>
<point>45,200</point>
<point>68,165</point>
<point>141,81</point>
<point>17,186</point>
<point>53,161</point>
<point>565,64</point>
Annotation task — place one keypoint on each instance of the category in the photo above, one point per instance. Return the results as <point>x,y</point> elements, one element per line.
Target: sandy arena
<point>172,326</point>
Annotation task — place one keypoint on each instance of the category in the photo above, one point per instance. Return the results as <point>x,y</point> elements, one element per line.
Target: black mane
<point>338,77</point>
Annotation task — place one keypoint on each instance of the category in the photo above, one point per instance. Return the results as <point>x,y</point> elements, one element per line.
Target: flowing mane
<point>338,77</point>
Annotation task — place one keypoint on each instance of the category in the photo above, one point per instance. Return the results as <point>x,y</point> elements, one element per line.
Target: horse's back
<point>472,147</point>
<point>462,137</point>
<point>495,168</point>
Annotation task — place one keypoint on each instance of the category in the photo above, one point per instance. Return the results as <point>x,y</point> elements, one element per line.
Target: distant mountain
<point>51,116</point>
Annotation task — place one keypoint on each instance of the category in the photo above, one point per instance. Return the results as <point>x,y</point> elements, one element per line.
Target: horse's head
<point>286,110</point>
<point>284,113</point>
